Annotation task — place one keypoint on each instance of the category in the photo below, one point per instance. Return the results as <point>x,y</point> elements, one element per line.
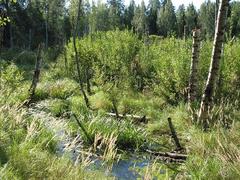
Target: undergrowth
<point>139,80</point>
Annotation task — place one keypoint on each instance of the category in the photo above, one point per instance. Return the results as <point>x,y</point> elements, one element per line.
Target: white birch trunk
<point>192,93</point>
<point>208,95</point>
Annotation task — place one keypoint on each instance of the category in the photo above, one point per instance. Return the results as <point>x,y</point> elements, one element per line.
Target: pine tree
<point>181,20</point>
<point>167,21</point>
<point>235,20</point>
<point>153,8</point>
<point>191,18</point>
<point>207,19</point>
<point>139,20</point>
<point>99,18</point>
<point>129,14</point>
<point>116,9</point>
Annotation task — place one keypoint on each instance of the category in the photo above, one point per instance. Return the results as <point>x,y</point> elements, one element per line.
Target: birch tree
<point>208,95</point>
<point>194,69</point>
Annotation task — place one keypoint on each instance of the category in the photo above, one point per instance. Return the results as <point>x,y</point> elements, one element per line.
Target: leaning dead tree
<point>207,98</point>
<point>36,76</point>
<point>174,135</point>
<point>192,88</point>
<point>77,56</point>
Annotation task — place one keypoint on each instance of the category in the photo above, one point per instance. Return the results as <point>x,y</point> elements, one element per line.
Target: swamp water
<point>126,168</point>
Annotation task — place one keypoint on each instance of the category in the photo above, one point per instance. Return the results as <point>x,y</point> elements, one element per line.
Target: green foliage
<point>139,21</point>
<point>60,89</point>
<point>128,135</point>
<point>58,107</point>
<point>166,21</point>
<point>106,56</point>
<point>28,150</point>
<point>11,76</point>
<point>216,154</point>
<point>11,79</point>
<point>141,77</point>
<point>100,100</point>
<point>207,19</point>
<point>77,106</point>
<point>3,21</point>
<point>170,59</point>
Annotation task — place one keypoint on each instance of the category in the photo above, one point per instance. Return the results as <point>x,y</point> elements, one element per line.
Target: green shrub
<point>60,89</point>
<point>58,107</point>
<point>100,100</point>
<point>78,106</point>
<point>128,135</point>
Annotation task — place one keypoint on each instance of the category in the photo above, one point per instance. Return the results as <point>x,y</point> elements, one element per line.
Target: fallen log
<point>175,156</point>
<point>143,119</point>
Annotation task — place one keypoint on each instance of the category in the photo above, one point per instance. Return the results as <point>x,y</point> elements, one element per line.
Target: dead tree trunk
<point>88,81</point>
<point>65,60</point>
<point>29,39</point>
<point>83,129</point>
<point>77,56</point>
<point>36,76</point>
<point>174,134</point>
<point>192,92</point>
<point>46,24</point>
<point>185,32</point>
<point>207,98</point>
<point>174,156</point>
<point>115,108</point>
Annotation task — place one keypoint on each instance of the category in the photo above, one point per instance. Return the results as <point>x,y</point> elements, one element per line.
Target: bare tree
<point>192,93</point>
<point>46,23</point>
<point>36,76</point>
<point>77,56</point>
<point>208,95</point>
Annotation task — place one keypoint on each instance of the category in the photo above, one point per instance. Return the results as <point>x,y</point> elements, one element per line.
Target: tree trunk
<point>207,98</point>
<point>88,81</point>
<point>36,76</point>
<point>7,28</point>
<point>77,56</point>
<point>216,11</point>
<point>30,39</point>
<point>174,135</point>
<point>46,25</point>
<point>185,32</point>
<point>192,93</point>
<point>11,36</point>
<point>115,108</point>
<point>65,60</point>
